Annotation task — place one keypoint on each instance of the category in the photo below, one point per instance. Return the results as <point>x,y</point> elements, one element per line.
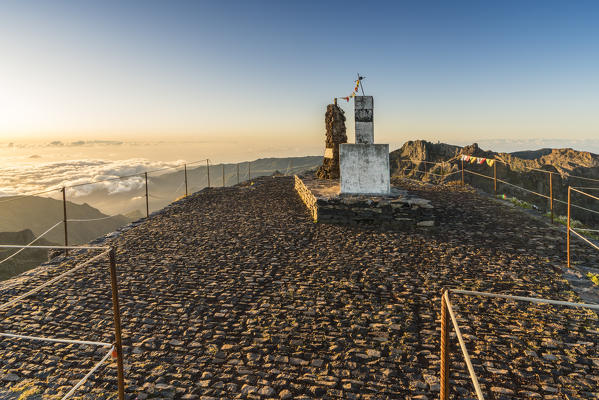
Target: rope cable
<point>51,281</point>
<point>586,194</point>
<point>54,340</point>
<point>475,383</point>
<point>586,240</point>
<point>30,243</point>
<point>82,381</point>
<point>527,299</point>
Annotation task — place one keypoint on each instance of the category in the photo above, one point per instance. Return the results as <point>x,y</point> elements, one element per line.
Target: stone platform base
<point>398,210</point>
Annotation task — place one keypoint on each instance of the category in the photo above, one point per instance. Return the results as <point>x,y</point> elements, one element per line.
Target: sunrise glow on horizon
<point>265,71</point>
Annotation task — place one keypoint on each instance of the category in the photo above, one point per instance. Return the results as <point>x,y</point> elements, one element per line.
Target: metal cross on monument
<point>360,79</point>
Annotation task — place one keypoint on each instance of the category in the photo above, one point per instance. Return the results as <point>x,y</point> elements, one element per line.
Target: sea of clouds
<point>37,177</point>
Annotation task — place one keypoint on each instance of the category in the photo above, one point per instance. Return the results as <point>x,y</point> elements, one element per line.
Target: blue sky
<point>264,71</point>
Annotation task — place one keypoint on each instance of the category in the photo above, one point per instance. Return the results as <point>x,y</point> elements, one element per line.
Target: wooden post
<point>444,349</point>
<point>495,178</point>
<point>185,166</point>
<point>147,197</point>
<point>208,171</point>
<point>551,194</point>
<point>238,173</point>
<point>462,172</point>
<point>223,174</point>
<point>64,219</point>
<point>117,326</point>
<point>568,227</point>
<point>249,170</point>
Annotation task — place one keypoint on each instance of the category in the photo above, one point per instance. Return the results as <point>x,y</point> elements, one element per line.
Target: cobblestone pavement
<point>236,293</point>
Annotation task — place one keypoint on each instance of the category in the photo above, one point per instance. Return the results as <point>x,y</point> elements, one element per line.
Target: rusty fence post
<point>147,197</point>
<point>444,381</point>
<point>185,166</point>
<point>568,226</point>
<point>238,173</point>
<point>551,194</point>
<point>495,178</point>
<point>64,219</point>
<point>117,325</point>
<point>462,172</point>
<point>208,171</point>
<point>223,174</point>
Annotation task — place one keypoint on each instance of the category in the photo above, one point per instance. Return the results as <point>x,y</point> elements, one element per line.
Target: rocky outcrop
<point>335,127</point>
<point>423,150</point>
<point>440,162</point>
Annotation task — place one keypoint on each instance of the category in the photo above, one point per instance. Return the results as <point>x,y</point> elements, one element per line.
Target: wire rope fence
<point>241,172</point>
<point>458,166</point>
<point>116,349</point>
<point>577,231</point>
<point>201,176</point>
<point>536,332</point>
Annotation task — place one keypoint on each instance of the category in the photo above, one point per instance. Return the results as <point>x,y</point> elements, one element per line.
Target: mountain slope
<point>164,188</point>
<point>26,259</point>
<point>40,213</point>
<point>570,168</point>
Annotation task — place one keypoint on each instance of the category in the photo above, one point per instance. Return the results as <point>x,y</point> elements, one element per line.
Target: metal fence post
<point>568,227</point>
<point>462,172</point>
<point>238,173</point>
<point>117,326</point>
<point>495,178</point>
<point>185,166</point>
<point>444,349</point>
<point>208,171</point>
<point>223,174</point>
<point>551,194</point>
<point>147,197</point>
<point>64,219</point>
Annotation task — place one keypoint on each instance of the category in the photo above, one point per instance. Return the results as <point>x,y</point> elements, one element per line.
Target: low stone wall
<point>307,197</point>
<point>399,210</point>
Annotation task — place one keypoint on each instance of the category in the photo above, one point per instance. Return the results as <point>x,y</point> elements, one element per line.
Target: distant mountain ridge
<point>565,161</point>
<point>40,213</point>
<point>26,259</point>
<point>570,168</point>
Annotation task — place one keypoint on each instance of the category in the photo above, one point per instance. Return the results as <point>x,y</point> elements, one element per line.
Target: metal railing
<point>116,348</point>
<point>447,309</point>
<point>570,229</point>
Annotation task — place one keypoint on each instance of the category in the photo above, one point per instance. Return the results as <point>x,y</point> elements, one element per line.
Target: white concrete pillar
<point>364,168</point>
<point>363,113</point>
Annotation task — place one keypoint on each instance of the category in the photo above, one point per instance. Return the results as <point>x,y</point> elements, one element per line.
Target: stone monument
<point>335,130</point>
<point>364,166</point>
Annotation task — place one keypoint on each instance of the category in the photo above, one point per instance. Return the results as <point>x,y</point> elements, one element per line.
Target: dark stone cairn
<point>335,126</point>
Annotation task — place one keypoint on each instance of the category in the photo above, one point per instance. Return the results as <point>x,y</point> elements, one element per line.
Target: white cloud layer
<point>36,177</point>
